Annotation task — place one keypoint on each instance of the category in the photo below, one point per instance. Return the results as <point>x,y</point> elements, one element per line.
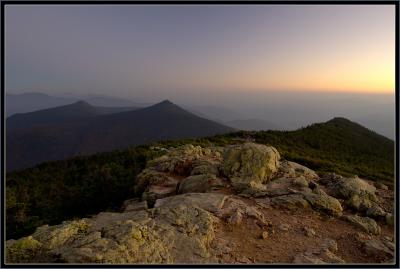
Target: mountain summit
<point>239,204</point>
<point>165,102</point>
<point>80,128</point>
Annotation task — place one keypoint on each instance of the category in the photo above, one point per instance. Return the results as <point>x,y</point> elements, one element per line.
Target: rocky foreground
<point>239,204</point>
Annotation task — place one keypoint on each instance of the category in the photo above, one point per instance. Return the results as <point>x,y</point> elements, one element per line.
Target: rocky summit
<point>240,204</point>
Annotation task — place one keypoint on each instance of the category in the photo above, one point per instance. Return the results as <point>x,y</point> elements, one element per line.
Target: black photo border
<point>187,2</point>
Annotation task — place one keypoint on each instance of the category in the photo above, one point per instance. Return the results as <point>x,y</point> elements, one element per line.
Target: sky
<point>199,51</point>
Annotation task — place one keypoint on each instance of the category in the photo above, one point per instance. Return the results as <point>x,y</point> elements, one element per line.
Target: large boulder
<point>250,162</point>
<point>358,194</point>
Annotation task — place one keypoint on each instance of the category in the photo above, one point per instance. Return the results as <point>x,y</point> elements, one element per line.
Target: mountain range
<point>277,113</point>
<point>34,101</point>
<point>81,129</point>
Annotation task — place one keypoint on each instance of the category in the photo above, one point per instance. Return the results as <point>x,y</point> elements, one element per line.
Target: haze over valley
<point>255,111</point>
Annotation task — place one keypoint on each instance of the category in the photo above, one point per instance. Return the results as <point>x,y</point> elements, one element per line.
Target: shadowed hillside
<point>63,132</point>
<point>72,113</point>
<point>338,145</point>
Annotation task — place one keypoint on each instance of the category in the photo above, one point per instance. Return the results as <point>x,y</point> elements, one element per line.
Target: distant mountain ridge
<point>63,132</point>
<point>77,111</point>
<point>35,101</point>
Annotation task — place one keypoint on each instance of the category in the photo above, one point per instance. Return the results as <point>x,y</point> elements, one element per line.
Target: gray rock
<point>365,223</point>
<point>201,167</point>
<point>291,201</point>
<point>179,234</point>
<point>380,247</point>
<point>322,255</point>
<point>134,205</point>
<point>294,170</point>
<point>212,202</point>
<point>323,202</point>
<point>199,183</point>
<point>300,182</point>
<point>376,212</point>
<point>285,186</point>
<point>153,185</point>
<point>330,245</point>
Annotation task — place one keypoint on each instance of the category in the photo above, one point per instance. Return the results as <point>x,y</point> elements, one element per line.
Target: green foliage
<point>339,146</point>
<point>55,191</point>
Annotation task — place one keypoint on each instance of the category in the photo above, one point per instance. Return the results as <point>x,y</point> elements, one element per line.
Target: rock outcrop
<point>238,204</point>
<point>358,194</point>
<point>250,164</point>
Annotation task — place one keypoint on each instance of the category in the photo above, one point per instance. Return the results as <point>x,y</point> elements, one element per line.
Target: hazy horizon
<point>285,109</point>
<point>288,64</point>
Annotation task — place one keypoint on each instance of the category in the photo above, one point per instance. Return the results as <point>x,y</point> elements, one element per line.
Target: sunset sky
<point>128,50</point>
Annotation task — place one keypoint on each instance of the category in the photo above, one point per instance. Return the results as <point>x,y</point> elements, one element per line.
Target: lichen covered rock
<point>365,223</point>
<point>22,250</point>
<point>323,202</point>
<point>291,201</point>
<point>120,242</point>
<point>250,162</point>
<point>163,175</point>
<point>205,166</point>
<point>180,234</point>
<point>358,193</point>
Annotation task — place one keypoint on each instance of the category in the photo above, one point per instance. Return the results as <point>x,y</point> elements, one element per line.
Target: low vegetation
<point>55,191</point>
